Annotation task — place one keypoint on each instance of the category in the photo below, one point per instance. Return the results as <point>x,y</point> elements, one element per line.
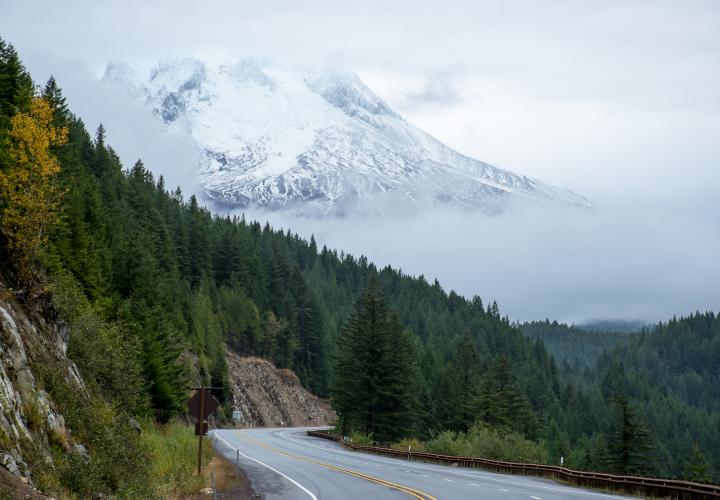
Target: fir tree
<point>52,94</point>
<point>628,441</point>
<point>375,382</point>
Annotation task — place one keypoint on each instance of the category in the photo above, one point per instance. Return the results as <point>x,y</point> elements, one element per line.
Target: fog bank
<point>620,262</point>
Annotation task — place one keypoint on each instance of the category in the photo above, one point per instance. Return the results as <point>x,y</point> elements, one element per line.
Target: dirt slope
<point>270,397</point>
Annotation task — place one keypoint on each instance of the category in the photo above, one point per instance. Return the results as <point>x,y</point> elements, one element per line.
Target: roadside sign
<point>201,405</point>
<point>211,404</point>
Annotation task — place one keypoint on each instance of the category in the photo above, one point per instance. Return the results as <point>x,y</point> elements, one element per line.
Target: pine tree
<point>463,372</point>
<point>375,376</point>
<point>198,241</point>
<point>54,97</point>
<point>628,441</point>
<point>556,443</point>
<point>356,372</point>
<point>16,86</point>
<point>272,329</point>
<point>501,404</point>
<point>399,384</point>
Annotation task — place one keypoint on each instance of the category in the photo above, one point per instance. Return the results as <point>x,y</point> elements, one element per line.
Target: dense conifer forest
<point>571,344</point>
<point>173,284</point>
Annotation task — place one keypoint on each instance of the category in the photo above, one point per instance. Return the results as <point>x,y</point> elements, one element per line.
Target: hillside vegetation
<point>575,346</point>
<point>154,287</point>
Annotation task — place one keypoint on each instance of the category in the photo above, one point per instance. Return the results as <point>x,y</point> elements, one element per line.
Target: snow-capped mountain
<point>316,142</point>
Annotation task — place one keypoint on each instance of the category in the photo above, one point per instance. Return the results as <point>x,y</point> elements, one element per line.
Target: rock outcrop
<point>26,411</point>
<point>267,396</point>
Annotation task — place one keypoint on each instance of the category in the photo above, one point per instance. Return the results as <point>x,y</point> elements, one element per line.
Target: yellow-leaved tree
<point>28,195</point>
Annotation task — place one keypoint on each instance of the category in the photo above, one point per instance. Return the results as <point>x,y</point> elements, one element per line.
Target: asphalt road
<point>286,463</point>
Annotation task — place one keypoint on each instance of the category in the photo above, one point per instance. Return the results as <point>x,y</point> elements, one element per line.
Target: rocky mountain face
<point>316,142</point>
<point>27,412</point>
<point>269,397</point>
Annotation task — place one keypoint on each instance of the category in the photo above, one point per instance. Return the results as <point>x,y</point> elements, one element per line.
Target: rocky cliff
<point>270,397</point>
<point>27,413</point>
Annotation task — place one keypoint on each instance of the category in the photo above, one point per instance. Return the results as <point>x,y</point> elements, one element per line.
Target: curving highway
<point>288,464</point>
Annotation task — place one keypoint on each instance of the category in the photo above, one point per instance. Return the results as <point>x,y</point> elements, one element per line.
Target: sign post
<point>202,429</point>
<point>201,405</point>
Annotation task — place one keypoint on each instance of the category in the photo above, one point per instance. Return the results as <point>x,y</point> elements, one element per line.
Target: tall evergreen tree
<point>356,375</point>
<point>399,382</point>
<point>628,441</point>
<point>375,376</point>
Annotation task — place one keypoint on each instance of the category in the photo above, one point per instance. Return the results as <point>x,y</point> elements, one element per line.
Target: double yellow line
<point>420,495</point>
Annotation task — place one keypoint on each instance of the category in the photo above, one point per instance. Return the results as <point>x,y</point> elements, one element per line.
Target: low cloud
<point>622,262</point>
<point>438,88</point>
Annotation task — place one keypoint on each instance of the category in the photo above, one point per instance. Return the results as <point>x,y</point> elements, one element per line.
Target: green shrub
<point>114,458</point>
<point>106,355</point>
<point>487,442</point>
<point>361,439</point>
<point>449,443</point>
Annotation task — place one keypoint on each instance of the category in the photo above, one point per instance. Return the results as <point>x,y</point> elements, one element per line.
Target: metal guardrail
<point>643,486</point>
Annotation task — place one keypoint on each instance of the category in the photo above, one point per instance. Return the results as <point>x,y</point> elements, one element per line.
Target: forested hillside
<point>574,345</point>
<point>170,284</point>
<point>670,373</point>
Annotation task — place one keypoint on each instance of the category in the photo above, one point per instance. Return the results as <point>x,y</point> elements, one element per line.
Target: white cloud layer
<point>625,262</point>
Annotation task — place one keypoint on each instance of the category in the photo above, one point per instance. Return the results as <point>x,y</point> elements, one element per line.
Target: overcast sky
<point>619,101</point>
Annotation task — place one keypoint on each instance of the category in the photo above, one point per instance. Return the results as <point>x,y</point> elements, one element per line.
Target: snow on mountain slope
<point>316,142</point>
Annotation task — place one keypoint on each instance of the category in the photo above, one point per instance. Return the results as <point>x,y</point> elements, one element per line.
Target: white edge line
<point>266,465</point>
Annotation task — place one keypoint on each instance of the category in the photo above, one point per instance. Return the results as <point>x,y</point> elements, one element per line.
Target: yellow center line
<point>420,495</point>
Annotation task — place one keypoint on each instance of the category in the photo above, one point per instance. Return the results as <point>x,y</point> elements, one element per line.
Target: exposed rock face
<point>24,333</point>
<point>269,397</point>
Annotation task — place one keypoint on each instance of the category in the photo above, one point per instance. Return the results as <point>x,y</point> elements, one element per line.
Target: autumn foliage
<point>28,195</point>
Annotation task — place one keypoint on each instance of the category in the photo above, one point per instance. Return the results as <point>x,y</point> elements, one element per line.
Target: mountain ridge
<point>316,142</point>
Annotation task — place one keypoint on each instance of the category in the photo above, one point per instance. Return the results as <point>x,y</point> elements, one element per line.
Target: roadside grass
<point>224,472</point>
<point>409,444</point>
<point>173,452</point>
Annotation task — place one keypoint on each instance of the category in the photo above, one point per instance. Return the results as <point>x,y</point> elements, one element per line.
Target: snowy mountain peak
<point>315,142</point>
